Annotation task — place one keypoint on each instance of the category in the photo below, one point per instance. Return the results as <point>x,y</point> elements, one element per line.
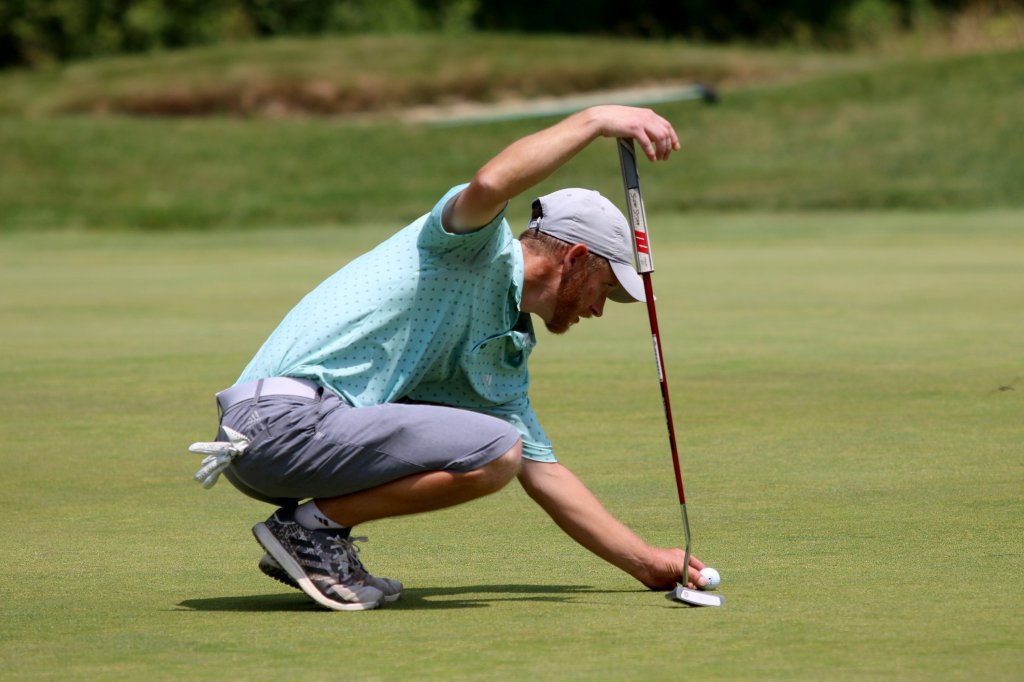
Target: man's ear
<point>575,256</point>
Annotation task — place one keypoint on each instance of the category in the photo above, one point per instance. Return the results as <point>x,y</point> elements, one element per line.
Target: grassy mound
<point>289,77</point>
<point>924,133</point>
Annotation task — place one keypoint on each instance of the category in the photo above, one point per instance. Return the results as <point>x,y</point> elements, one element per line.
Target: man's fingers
<point>659,143</point>
<point>657,148</point>
<point>664,147</point>
<point>696,579</point>
<point>674,137</point>
<point>653,133</point>
<point>650,148</point>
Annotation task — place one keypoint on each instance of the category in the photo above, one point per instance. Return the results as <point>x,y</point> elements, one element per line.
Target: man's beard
<point>567,300</point>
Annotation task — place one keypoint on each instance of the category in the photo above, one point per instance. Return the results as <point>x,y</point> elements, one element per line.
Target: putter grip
<point>635,212</point>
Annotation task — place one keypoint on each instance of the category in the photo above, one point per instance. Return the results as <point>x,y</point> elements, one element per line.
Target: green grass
<point>931,134</point>
<point>379,73</point>
<point>853,467</point>
<point>848,382</point>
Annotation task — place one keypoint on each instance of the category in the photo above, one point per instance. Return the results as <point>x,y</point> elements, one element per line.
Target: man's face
<point>582,292</point>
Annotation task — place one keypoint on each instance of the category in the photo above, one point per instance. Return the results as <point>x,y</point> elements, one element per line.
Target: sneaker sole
<point>270,568</point>
<point>281,576</point>
<point>389,598</point>
<point>292,568</point>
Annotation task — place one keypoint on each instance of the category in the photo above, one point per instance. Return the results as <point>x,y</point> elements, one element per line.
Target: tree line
<point>36,32</point>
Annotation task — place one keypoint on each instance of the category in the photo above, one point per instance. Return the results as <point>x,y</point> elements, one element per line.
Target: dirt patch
<point>378,95</point>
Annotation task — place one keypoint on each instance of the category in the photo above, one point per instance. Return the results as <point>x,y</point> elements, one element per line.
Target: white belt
<point>303,388</point>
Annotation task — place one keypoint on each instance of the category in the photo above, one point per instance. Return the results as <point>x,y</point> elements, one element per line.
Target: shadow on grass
<point>418,598</point>
<point>292,601</point>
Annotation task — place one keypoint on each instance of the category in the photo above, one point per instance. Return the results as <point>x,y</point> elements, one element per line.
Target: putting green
<point>848,389</point>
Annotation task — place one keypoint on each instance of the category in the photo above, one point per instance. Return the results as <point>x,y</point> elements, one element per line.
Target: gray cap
<point>583,216</point>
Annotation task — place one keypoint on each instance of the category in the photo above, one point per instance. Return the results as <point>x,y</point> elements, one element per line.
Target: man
<point>400,384</point>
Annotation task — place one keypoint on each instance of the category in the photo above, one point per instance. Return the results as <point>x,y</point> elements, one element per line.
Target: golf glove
<point>219,455</point>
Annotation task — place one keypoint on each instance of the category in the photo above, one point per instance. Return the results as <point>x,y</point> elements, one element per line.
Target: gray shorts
<point>317,447</point>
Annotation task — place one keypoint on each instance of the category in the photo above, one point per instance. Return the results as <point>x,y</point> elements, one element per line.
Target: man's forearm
<point>582,516</point>
<point>531,159</point>
<point>520,166</point>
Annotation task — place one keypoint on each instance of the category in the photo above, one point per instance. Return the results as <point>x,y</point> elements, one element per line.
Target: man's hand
<point>664,569</point>
<point>654,134</point>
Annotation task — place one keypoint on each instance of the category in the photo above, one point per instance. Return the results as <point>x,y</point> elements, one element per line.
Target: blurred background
<point>118,114</point>
<point>33,33</point>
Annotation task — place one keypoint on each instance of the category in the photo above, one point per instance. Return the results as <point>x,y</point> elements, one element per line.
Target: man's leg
<point>422,492</point>
<point>381,461</point>
<point>410,495</point>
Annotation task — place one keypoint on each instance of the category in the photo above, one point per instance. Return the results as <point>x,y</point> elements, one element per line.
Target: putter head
<point>695,597</point>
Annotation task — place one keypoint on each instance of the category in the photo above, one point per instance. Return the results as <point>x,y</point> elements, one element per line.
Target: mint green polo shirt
<point>427,316</point>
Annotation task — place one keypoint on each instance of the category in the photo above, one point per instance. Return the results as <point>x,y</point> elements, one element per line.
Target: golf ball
<point>712,576</point>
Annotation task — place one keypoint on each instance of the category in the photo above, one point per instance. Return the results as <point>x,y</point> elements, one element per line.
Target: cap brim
<point>631,285</point>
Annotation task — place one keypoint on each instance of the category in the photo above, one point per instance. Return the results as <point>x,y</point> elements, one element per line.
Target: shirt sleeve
<point>536,445</point>
<point>433,236</point>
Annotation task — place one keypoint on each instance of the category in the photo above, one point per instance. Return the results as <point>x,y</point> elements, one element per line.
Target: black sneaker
<point>272,569</point>
<point>391,588</point>
<point>318,561</point>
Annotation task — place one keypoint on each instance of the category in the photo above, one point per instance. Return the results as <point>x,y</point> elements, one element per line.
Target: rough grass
<point>934,133</point>
<point>330,76</point>
<point>848,393</point>
<point>338,76</point>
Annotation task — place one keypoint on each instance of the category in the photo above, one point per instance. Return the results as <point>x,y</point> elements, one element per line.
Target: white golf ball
<point>713,578</point>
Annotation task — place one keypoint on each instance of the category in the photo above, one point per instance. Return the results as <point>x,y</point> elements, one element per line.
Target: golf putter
<point>645,266</point>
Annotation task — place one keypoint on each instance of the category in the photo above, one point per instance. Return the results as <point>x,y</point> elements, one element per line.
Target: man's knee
<point>497,473</point>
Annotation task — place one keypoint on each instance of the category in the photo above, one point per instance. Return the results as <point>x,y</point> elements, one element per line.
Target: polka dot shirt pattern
<point>427,316</point>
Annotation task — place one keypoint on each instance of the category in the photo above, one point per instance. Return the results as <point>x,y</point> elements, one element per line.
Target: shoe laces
<point>347,554</point>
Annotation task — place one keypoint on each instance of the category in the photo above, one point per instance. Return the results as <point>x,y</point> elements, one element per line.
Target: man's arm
<point>577,512</point>
<point>533,158</point>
